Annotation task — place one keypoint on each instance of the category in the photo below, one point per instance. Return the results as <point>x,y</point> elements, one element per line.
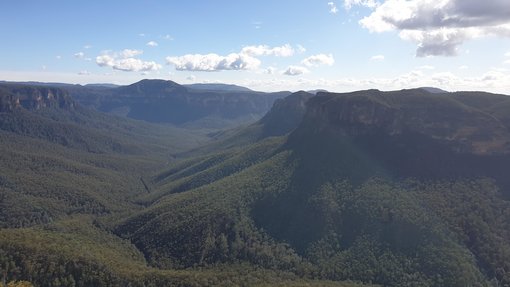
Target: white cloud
<point>317,60</point>
<point>129,53</point>
<point>270,70</point>
<point>507,55</point>
<point>135,65</point>
<point>141,35</point>
<point>125,61</point>
<point>84,73</point>
<point>191,78</point>
<point>152,44</point>
<point>439,27</point>
<point>87,46</point>
<point>377,58</point>
<point>301,49</point>
<point>463,67</point>
<point>105,60</point>
<point>348,4</point>
<point>332,8</point>
<point>295,71</point>
<point>79,55</point>
<point>213,62</point>
<point>167,37</point>
<point>257,25</point>
<point>244,60</point>
<point>58,57</point>
<point>264,50</point>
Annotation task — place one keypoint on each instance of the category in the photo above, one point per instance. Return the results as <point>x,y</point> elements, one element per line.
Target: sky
<point>340,46</point>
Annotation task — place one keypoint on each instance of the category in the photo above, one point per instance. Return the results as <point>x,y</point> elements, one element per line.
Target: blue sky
<point>265,45</point>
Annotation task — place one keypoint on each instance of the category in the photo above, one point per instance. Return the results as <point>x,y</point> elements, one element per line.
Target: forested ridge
<point>402,188</point>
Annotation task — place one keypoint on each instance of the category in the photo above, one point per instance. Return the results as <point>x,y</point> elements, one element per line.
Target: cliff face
<point>286,114</point>
<point>33,98</point>
<point>438,117</point>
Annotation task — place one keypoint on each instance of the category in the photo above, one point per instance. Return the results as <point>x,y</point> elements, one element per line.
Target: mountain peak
<point>434,90</point>
<point>155,83</point>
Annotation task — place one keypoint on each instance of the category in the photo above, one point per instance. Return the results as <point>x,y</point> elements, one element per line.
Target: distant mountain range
<point>159,101</point>
<point>218,87</point>
<point>398,188</point>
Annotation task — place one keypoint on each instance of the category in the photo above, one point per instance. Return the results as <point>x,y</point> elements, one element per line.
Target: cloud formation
<point>125,61</point>
<point>79,55</point>
<point>270,70</point>
<point>317,60</point>
<point>301,49</point>
<point>246,59</point>
<point>264,50</point>
<point>440,27</point>
<point>332,8</point>
<point>348,4</point>
<point>295,71</point>
<point>128,53</point>
<point>377,58</point>
<point>507,60</point>
<point>152,44</point>
<point>213,62</point>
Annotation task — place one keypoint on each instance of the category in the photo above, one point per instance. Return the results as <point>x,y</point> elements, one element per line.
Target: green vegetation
<point>326,197</point>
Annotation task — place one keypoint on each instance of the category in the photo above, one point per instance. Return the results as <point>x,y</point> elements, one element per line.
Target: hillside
<point>59,158</point>
<point>402,188</point>
<point>285,115</point>
<point>398,188</point>
<point>67,173</point>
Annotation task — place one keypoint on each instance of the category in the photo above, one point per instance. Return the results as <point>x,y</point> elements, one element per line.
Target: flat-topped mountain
<point>441,117</point>
<point>408,133</point>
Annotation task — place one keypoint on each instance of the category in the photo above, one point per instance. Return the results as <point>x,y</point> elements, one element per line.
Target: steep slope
<point>410,134</point>
<point>394,188</point>
<point>285,115</point>
<point>59,158</point>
